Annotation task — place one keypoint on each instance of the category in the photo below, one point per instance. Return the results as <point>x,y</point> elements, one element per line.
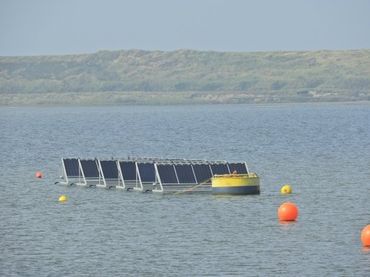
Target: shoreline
<point>170,98</point>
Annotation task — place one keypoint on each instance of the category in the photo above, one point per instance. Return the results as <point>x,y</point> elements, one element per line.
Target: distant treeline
<point>257,75</point>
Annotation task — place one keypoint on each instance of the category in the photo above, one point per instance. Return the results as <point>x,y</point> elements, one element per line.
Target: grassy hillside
<point>135,76</point>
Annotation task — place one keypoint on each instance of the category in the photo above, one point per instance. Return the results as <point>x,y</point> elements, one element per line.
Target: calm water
<point>323,150</point>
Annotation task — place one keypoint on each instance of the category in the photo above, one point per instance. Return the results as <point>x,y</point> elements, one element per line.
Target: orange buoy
<point>288,212</point>
<point>365,236</point>
<point>38,174</point>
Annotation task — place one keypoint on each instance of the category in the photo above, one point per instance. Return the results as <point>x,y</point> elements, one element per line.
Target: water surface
<point>323,150</point>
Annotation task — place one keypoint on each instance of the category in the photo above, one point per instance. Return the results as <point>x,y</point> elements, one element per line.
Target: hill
<point>185,76</point>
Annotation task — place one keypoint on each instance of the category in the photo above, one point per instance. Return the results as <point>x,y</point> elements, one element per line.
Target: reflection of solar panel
<point>72,167</point>
<point>185,174</point>
<point>89,168</point>
<point>128,169</point>
<point>202,172</point>
<point>167,173</point>
<point>218,168</point>
<point>147,172</point>
<point>239,168</point>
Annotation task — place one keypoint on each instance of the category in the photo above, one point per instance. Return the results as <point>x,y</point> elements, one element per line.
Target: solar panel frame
<point>90,168</point>
<point>202,172</point>
<point>167,174</point>
<point>219,168</point>
<point>239,167</point>
<point>109,169</point>
<point>185,173</point>
<point>146,171</point>
<point>128,169</point>
<point>72,167</point>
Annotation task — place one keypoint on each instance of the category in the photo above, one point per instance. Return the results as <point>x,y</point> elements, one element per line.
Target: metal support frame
<point>246,166</point>
<point>157,186</point>
<point>127,184</point>
<point>218,162</point>
<point>106,182</point>
<point>66,178</point>
<point>228,168</point>
<point>120,175</point>
<point>195,176</point>
<point>177,177</point>
<point>210,168</point>
<point>100,170</point>
<point>139,186</point>
<point>86,180</point>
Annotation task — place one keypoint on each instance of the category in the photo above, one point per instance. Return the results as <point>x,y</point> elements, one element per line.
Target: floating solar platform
<point>147,174</point>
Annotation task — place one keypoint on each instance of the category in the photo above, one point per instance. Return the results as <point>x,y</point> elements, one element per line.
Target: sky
<point>48,27</point>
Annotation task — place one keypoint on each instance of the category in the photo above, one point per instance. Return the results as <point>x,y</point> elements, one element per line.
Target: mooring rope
<point>193,187</point>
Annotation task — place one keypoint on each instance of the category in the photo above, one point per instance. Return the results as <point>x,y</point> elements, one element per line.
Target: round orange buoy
<point>365,236</point>
<point>288,212</point>
<point>38,174</point>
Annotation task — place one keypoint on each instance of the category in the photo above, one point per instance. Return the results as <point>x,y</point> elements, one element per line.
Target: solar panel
<point>218,168</point>
<point>185,174</point>
<point>202,172</point>
<point>72,167</point>
<point>128,169</point>
<point>147,172</point>
<point>109,169</point>
<point>239,168</point>
<point>167,173</point>
<point>90,168</point>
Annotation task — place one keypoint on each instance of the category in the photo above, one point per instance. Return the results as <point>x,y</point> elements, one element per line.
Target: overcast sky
<point>79,26</point>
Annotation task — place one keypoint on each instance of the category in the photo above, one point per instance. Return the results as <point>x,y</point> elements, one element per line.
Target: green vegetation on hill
<point>185,76</point>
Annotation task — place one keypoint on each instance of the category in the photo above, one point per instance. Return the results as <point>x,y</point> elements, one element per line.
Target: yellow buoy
<point>236,184</point>
<point>63,198</point>
<point>286,189</point>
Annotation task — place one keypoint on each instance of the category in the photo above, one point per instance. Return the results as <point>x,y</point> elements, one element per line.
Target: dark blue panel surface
<point>147,172</point>
<point>202,172</point>
<point>109,169</point>
<point>128,169</point>
<point>167,173</point>
<point>72,167</point>
<point>185,174</point>
<point>219,169</point>
<point>90,168</point>
<point>238,168</point>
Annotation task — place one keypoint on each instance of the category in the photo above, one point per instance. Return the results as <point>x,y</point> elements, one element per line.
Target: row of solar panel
<point>196,173</point>
<point>146,172</point>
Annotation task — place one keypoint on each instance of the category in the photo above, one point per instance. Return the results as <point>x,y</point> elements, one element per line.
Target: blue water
<point>322,150</point>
